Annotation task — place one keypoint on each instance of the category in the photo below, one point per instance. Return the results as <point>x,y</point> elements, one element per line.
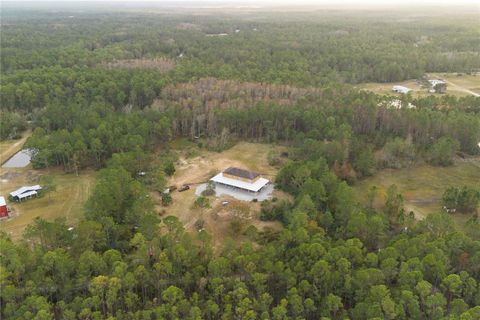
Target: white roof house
<point>434,82</point>
<point>25,192</point>
<point>401,89</point>
<point>2,201</point>
<point>241,179</point>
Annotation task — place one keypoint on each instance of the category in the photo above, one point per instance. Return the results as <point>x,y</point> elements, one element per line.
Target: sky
<point>282,2</point>
<point>237,4</point>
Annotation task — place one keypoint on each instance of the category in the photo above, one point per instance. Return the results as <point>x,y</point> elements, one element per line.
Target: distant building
<point>241,179</point>
<point>434,82</point>
<point>438,85</point>
<point>26,192</point>
<point>3,208</point>
<point>401,89</point>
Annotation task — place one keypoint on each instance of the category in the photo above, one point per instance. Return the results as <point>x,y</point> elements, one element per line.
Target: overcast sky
<point>283,2</point>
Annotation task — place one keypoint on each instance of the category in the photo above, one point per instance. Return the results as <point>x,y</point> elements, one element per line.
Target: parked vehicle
<point>184,188</point>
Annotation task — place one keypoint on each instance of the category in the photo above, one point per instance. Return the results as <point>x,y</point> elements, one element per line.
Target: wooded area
<point>109,90</point>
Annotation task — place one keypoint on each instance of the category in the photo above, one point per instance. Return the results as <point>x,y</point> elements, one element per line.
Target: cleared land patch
<point>469,84</point>
<point>66,201</point>
<point>217,219</point>
<point>161,64</point>
<point>422,186</point>
<point>457,85</point>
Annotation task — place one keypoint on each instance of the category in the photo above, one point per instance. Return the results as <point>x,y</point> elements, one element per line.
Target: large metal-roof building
<point>241,179</point>
<point>25,192</point>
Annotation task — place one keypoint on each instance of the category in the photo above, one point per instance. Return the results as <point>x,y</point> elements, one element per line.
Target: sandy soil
<point>218,218</point>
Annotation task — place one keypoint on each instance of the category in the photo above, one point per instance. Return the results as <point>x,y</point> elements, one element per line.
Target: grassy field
<point>198,168</point>
<point>457,85</point>
<point>422,187</point>
<point>468,84</point>
<point>66,201</point>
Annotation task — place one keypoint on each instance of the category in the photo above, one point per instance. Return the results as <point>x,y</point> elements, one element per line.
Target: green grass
<point>66,201</point>
<point>422,186</point>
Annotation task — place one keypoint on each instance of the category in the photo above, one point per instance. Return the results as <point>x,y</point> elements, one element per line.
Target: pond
<point>19,160</point>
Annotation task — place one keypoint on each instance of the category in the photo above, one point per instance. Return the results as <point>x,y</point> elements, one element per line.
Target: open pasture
<point>422,186</point>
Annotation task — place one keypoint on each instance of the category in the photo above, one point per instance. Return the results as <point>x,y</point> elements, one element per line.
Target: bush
<point>442,151</point>
<point>272,158</point>
<point>201,202</point>
<point>166,199</point>
<point>398,153</point>
<point>199,224</point>
<point>209,190</point>
<point>169,168</point>
<point>237,226</point>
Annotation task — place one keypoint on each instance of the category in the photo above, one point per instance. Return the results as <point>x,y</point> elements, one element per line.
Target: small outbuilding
<point>3,208</point>
<point>25,192</point>
<point>401,89</point>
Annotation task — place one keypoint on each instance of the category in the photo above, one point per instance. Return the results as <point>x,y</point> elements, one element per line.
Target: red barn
<point>3,208</point>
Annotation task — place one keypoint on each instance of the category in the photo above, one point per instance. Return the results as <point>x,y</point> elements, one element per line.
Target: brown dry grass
<point>66,201</point>
<point>459,86</point>
<point>217,219</point>
<point>163,65</point>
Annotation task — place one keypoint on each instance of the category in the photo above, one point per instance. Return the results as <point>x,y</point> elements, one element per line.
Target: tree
<point>169,168</point>
<point>49,185</point>
<point>442,151</point>
<point>463,199</point>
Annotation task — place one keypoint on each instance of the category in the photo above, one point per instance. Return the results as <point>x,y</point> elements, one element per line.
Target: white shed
<point>401,89</point>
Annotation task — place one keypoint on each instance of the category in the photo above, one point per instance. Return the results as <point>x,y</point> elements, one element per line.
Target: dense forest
<point>104,90</point>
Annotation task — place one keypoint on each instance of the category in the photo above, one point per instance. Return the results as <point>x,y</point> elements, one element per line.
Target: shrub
<point>209,190</point>
<point>166,199</point>
<point>169,168</point>
<point>442,151</point>
<point>199,224</point>
<point>272,158</point>
<point>201,202</point>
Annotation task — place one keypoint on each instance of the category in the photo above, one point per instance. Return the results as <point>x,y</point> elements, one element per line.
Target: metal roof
<point>27,194</point>
<point>241,173</point>
<point>2,201</point>
<point>18,192</point>
<point>401,89</point>
<point>255,187</point>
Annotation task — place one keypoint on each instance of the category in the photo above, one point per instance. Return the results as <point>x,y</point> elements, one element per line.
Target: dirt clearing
<point>217,220</point>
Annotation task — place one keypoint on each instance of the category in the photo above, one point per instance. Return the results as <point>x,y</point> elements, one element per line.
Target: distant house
<point>241,179</point>
<point>434,82</point>
<point>401,89</point>
<point>3,208</point>
<point>438,85</point>
<point>26,192</point>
